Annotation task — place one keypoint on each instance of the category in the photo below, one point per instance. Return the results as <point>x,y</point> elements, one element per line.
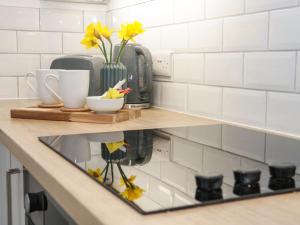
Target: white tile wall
<point>18,64</point>
<point>283,112</point>
<point>183,13</point>
<point>156,93</point>
<point>61,20</point>
<point>218,8</point>
<point>24,90</point>
<point>244,106</point>
<point>31,36</point>
<point>151,38</point>
<point>260,5</point>
<point>174,37</point>
<point>8,87</point>
<point>71,44</point>
<point>298,73</point>
<point>8,41</point>
<point>19,18</point>
<point>270,70</point>
<point>93,17</point>
<point>208,135</point>
<point>174,96</point>
<point>39,42</point>
<point>46,60</point>
<point>247,32</point>
<point>284,29</point>
<point>206,35</point>
<point>188,67</point>
<point>205,100</point>
<point>224,69</point>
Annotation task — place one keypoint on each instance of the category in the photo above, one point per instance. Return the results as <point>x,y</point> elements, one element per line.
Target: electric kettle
<point>138,61</point>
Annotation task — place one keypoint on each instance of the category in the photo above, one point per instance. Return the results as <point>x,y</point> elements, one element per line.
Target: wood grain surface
<point>90,204</point>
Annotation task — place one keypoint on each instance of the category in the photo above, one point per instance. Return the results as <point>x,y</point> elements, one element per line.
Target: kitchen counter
<point>90,204</point>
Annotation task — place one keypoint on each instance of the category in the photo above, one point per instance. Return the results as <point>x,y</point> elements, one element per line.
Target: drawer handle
<point>9,174</point>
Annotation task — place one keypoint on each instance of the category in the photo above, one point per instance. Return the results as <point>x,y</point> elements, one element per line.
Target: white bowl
<point>100,105</point>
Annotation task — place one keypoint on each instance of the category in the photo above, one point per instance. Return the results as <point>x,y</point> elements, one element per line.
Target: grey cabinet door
<point>7,162</point>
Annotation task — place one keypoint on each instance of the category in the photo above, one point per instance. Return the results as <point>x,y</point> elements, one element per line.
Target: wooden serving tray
<point>56,114</point>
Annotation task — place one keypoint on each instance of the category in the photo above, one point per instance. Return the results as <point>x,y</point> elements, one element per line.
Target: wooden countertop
<point>90,204</point>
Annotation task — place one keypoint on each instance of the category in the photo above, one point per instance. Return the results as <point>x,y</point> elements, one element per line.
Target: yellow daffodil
<point>90,42</point>
<point>130,180</point>
<point>104,31</point>
<point>96,173</point>
<point>132,193</point>
<point>114,146</point>
<point>131,30</point>
<point>113,94</point>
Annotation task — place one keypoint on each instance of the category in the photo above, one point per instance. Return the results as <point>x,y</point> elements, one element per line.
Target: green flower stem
<point>100,49</point>
<point>111,47</point>
<point>104,50</point>
<point>123,45</point>
<point>126,181</point>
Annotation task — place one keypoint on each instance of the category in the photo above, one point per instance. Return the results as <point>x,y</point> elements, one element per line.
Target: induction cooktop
<point>157,170</point>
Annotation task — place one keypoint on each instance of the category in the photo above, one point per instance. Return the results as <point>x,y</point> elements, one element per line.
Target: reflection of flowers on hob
<point>113,154</point>
<point>132,191</point>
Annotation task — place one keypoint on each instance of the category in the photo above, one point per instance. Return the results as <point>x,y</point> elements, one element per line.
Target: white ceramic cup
<point>73,87</point>
<point>46,96</point>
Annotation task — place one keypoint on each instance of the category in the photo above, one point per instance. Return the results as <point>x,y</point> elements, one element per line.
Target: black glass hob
<point>157,170</point>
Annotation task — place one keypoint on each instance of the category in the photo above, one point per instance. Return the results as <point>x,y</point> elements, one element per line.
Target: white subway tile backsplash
<point>24,90</point>
<point>298,73</point>
<point>224,69</point>
<point>93,17</point>
<point>218,8</point>
<point>174,37</point>
<point>39,42</point>
<point>46,60</point>
<point>194,11</point>
<point>8,87</point>
<point>71,44</point>
<point>150,38</point>
<point>284,29</point>
<point>156,93</point>
<point>206,35</point>
<point>205,100</point>
<point>174,96</point>
<point>61,20</point>
<point>19,18</point>
<point>270,70</point>
<point>283,112</point>
<point>244,106</point>
<point>244,142</point>
<point>247,32</point>
<point>188,67</point>
<point>191,157</point>
<point>260,5</point>
<point>8,41</point>
<point>18,64</point>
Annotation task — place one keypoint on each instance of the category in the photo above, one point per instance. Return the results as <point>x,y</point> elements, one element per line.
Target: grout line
<point>226,86</point>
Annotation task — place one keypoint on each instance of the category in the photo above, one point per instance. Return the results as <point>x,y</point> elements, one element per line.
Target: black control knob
<point>35,202</point>
<point>282,170</point>
<point>209,182</point>
<point>246,177</point>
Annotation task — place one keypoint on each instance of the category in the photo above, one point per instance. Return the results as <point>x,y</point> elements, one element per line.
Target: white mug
<point>73,87</point>
<point>46,96</point>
